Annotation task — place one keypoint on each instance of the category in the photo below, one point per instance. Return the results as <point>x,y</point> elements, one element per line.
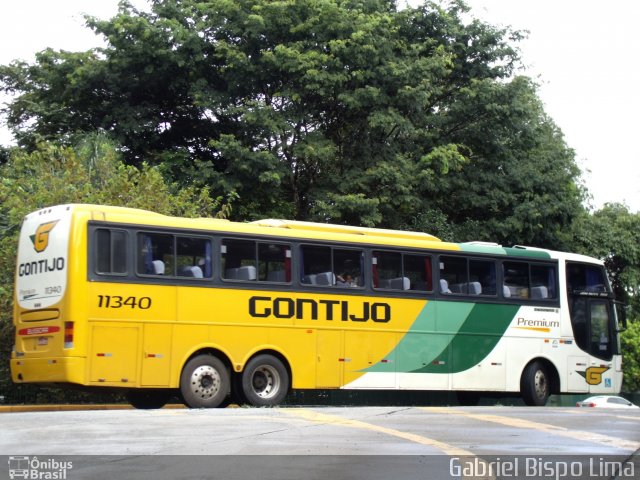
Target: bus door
<point>330,359</point>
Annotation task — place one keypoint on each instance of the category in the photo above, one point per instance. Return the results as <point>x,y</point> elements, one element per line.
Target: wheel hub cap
<point>205,381</point>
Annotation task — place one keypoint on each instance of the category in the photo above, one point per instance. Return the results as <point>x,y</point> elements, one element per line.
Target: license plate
<point>43,341</point>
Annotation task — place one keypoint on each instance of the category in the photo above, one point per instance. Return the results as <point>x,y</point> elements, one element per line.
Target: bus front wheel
<point>535,384</point>
<point>204,382</point>
<point>265,381</point>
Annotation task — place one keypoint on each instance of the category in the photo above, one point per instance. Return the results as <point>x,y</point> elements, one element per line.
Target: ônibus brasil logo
<point>41,238</point>
<point>34,468</point>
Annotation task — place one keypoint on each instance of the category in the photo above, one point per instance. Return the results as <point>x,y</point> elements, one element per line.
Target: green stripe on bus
<point>430,334</point>
<point>449,337</point>
<point>521,252</point>
<point>508,251</point>
<point>480,333</point>
<point>485,249</point>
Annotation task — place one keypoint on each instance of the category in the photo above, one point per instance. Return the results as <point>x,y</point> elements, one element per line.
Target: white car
<point>606,401</point>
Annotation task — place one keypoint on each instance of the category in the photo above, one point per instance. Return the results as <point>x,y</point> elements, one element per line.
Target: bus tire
<point>535,384</point>
<point>148,399</point>
<point>204,382</point>
<point>265,381</point>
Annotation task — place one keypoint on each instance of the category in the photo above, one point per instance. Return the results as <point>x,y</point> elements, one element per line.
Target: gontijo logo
<point>41,238</point>
<point>593,375</point>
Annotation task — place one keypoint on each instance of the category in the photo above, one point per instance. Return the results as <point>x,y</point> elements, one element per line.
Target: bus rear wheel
<point>265,381</point>
<point>204,382</point>
<point>535,384</point>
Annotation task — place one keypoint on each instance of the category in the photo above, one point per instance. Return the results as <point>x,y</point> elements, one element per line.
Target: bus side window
<point>328,266</point>
<point>274,262</point>
<point>516,279</point>
<point>239,259</point>
<point>397,271</point>
<point>111,251</point>
<point>466,276</point>
<point>194,257</point>
<point>417,268</point>
<point>453,270</point>
<point>316,260</point>
<point>543,282</point>
<point>529,281</point>
<point>347,267</point>
<point>482,277</point>
<point>155,254</point>
<point>387,270</point>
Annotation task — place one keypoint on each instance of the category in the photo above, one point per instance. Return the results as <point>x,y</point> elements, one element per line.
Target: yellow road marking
<point>465,457</point>
<point>543,427</point>
<point>587,411</point>
<point>323,418</point>
<point>626,417</point>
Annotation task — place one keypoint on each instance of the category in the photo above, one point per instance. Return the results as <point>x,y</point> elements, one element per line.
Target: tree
<point>520,184</point>
<point>92,172</point>
<point>346,111</point>
<point>613,234</point>
<point>329,109</point>
<point>4,155</point>
<point>630,340</point>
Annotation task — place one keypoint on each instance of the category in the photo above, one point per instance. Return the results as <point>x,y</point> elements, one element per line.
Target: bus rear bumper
<point>48,370</point>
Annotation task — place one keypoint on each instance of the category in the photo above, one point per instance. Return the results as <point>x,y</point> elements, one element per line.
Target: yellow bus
<point>218,311</point>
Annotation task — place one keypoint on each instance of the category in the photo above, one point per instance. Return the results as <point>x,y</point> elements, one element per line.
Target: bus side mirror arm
<point>621,312</point>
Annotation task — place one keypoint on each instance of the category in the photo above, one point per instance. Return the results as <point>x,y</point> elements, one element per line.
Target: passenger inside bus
<point>345,280</point>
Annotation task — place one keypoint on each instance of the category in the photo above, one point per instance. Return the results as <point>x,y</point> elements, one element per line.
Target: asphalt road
<point>325,442</point>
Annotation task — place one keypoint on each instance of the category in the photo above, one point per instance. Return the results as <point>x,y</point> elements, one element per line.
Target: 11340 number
<point>117,301</point>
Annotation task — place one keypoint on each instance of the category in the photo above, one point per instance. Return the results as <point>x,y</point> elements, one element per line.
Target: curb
<point>72,408</point>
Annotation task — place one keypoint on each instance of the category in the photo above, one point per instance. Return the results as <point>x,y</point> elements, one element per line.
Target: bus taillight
<point>68,334</point>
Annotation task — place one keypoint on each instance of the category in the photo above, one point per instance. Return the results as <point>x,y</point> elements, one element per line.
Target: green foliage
<point>331,110</point>
<point>4,155</point>
<point>613,234</point>
<point>630,340</point>
<point>520,183</point>
<point>90,173</point>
